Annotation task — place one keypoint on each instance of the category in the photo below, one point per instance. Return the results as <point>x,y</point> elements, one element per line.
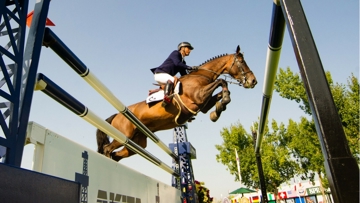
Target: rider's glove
<point>193,68</point>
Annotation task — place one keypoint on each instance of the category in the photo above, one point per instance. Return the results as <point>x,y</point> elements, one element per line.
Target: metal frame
<point>186,152</point>
<point>21,65</point>
<point>341,167</point>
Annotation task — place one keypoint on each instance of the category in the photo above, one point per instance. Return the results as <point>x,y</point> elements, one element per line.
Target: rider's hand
<point>193,68</point>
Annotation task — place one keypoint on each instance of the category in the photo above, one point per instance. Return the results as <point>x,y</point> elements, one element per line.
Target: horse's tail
<point>102,138</point>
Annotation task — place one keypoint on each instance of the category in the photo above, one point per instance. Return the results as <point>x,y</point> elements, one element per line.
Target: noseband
<point>239,66</point>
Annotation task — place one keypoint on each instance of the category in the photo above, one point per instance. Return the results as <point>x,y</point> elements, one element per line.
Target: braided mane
<point>221,55</point>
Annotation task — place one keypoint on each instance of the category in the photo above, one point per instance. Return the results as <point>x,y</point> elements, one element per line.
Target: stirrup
<point>166,100</point>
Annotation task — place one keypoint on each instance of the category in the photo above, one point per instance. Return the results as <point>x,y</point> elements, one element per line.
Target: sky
<point>119,41</point>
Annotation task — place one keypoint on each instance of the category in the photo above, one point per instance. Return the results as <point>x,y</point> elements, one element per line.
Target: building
<point>302,192</point>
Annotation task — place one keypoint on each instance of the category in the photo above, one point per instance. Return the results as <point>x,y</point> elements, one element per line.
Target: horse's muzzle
<point>248,83</point>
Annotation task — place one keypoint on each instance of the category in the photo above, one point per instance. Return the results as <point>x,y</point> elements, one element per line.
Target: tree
<point>304,144</point>
<point>305,147</point>
<point>278,166</point>
<point>290,86</point>
<point>203,193</point>
<point>293,150</point>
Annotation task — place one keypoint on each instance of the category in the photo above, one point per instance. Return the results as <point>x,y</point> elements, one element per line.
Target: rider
<point>175,63</point>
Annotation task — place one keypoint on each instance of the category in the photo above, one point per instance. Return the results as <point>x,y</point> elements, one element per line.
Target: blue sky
<point>121,40</point>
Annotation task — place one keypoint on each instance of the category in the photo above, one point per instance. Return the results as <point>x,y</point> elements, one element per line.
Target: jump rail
<point>57,93</point>
<point>54,42</point>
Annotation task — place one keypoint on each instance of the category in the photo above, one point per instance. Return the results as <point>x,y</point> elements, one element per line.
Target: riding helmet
<point>185,44</point>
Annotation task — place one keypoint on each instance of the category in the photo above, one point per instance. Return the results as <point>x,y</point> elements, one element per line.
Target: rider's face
<point>186,51</point>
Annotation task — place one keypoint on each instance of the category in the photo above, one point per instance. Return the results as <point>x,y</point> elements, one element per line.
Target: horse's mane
<point>218,56</point>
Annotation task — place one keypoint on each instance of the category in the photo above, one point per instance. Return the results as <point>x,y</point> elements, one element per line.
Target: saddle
<point>162,87</point>
<point>155,95</point>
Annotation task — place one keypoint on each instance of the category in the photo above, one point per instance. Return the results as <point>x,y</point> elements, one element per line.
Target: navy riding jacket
<point>172,65</point>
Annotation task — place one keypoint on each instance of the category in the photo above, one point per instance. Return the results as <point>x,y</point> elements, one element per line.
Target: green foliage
<point>278,167</point>
<point>292,150</point>
<point>305,147</point>
<point>236,137</point>
<point>303,140</point>
<point>347,103</point>
<point>346,99</point>
<point>203,194</point>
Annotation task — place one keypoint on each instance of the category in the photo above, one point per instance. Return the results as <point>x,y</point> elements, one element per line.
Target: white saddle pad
<point>158,96</point>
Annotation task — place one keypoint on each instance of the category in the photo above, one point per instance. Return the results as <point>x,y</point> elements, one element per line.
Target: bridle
<point>243,73</point>
<point>238,64</point>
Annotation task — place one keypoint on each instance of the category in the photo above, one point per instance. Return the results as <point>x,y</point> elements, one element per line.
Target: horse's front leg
<point>221,106</point>
<point>212,102</point>
<point>224,96</point>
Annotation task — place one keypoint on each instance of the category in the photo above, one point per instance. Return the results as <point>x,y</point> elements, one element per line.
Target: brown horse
<point>196,95</point>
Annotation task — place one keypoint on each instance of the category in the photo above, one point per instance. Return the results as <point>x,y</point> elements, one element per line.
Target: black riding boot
<point>167,91</point>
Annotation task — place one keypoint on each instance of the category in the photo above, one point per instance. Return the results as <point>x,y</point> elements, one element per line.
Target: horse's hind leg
<point>109,148</point>
<point>139,139</point>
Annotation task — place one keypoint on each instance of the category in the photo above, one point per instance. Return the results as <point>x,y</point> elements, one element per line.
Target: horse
<point>195,95</point>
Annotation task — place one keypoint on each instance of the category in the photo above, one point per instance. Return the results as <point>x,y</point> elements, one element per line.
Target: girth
<point>184,112</point>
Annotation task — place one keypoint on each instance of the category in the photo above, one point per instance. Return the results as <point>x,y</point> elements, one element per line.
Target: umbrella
<point>242,190</point>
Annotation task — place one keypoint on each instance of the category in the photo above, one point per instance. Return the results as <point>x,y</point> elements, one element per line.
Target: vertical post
<point>24,86</point>
<point>341,168</point>
<point>276,37</point>
<point>185,153</point>
<point>264,197</point>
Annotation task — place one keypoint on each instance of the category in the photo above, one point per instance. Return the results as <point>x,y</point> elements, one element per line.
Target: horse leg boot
<point>167,92</point>
<point>214,116</point>
<point>226,98</point>
<point>220,106</point>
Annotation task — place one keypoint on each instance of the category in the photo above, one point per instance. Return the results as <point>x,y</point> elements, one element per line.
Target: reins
<point>218,74</point>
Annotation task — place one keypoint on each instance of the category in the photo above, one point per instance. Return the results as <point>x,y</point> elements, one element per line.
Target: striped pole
<point>52,41</point>
<point>57,93</point>
<point>277,30</point>
<point>276,36</point>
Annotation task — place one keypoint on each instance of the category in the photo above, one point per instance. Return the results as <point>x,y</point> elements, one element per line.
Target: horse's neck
<point>213,69</point>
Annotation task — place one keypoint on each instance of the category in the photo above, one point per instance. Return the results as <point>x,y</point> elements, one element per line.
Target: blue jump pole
<point>57,93</point>
<point>52,41</point>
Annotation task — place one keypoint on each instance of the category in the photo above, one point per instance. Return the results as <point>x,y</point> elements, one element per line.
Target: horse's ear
<point>238,49</point>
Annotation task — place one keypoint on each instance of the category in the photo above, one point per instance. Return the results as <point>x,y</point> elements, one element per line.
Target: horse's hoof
<point>213,116</point>
<point>226,100</point>
<point>108,155</point>
<point>115,158</point>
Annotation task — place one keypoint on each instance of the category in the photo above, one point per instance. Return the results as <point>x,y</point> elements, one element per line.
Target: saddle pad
<point>158,96</point>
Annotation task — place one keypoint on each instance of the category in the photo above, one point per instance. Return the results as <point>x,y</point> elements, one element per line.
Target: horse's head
<point>240,71</point>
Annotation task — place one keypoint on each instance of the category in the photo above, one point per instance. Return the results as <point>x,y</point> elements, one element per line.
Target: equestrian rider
<point>175,63</point>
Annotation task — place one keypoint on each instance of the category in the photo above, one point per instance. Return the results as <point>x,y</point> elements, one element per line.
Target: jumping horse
<point>196,94</point>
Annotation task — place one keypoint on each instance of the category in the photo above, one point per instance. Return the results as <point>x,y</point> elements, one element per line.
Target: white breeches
<point>162,78</point>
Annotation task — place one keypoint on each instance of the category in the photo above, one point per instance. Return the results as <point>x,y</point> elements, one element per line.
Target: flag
<point>282,195</point>
<point>29,19</point>
<point>270,196</point>
<point>255,199</point>
<point>238,165</point>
